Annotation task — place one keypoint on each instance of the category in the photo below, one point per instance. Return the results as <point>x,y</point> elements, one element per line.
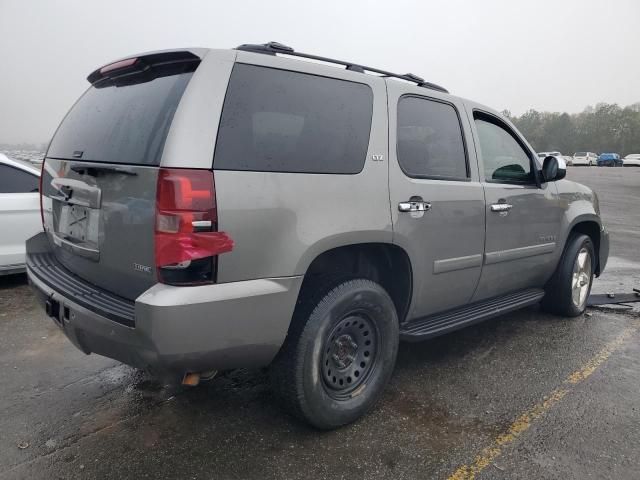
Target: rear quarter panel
<point>280,222</point>
<point>192,137</point>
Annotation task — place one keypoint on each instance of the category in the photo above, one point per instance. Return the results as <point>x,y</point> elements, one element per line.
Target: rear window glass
<point>281,121</point>
<point>430,143</point>
<point>120,124</point>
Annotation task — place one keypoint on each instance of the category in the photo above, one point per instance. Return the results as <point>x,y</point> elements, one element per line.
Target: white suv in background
<point>585,158</point>
<point>19,211</point>
<point>543,155</point>
<point>631,160</point>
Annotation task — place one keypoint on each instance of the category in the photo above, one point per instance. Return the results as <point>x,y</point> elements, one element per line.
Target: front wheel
<point>568,290</point>
<point>339,354</point>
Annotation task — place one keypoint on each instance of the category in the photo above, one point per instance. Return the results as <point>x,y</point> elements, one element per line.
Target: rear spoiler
<point>144,68</point>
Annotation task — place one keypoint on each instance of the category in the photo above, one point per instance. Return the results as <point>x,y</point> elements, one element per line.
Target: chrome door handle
<point>410,206</point>
<point>501,207</point>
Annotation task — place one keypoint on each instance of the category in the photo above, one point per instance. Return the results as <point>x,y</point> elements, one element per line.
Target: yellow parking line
<point>524,421</point>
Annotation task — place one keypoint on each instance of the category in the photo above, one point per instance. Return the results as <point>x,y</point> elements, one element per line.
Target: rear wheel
<point>569,288</point>
<point>339,354</point>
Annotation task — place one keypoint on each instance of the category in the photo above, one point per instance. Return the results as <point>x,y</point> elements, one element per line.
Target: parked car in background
<point>585,158</point>
<point>631,160</point>
<point>19,211</point>
<point>298,216</point>
<point>33,157</point>
<point>543,155</point>
<point>609,160</point>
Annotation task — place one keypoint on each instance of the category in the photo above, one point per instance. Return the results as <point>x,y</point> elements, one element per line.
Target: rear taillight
<point>40,190</point>
<point>186,238</point>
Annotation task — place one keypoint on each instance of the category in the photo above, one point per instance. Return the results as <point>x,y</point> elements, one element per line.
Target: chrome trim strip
<point>518,253</point>
<point>457,263</point>
<point>78,249</point>
<point>201,224</point>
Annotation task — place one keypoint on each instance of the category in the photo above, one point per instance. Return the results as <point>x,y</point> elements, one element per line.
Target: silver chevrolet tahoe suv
<point>215,209</point>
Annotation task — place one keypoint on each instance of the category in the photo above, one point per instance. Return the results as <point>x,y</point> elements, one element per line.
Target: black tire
<point>559,293</point>
<point>319,354</point>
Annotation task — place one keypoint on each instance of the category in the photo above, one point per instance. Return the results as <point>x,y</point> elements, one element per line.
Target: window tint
<point>13,180</point>
<point>503,157</point>
<point>121,124</point>
<point>281,121</point>
<point>430,139</point>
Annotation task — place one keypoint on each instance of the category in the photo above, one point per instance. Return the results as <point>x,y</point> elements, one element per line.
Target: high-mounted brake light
<point>144,68</point>
<point>117,65</point>
<point>186,238</point>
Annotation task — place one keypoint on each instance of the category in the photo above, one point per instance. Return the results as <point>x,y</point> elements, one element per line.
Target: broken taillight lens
<point>187,242</point>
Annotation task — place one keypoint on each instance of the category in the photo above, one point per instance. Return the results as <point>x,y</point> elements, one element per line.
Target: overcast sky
<point>558,55</point>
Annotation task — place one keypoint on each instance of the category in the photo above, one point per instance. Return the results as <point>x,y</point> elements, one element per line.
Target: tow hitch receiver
<point>52,307</point>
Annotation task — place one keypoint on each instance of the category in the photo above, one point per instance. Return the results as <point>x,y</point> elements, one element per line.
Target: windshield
<point>580,154</point>
<point>120,124</point>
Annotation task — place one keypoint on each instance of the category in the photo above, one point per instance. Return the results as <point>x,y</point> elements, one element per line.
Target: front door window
<point>504,159</point>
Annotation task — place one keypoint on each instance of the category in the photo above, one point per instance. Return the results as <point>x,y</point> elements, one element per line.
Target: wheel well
<point>384,263</point>
<point>592,230</point>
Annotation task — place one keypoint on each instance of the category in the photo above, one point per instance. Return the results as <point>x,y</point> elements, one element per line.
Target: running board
<point>442,323</point>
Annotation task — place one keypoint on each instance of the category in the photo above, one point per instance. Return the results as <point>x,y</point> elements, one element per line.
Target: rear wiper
<point>92,170</point>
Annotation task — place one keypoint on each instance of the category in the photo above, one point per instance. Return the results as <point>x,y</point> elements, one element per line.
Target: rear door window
<point>430,142</point>
<point>120,124</point>
<point>14,180</point>
<point>282,121</point>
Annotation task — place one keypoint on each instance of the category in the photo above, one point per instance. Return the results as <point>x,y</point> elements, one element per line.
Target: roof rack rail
<point>273,48</point>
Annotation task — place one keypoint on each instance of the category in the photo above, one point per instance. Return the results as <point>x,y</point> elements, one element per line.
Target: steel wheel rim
<point>349,355</point>
<point>581,278</point>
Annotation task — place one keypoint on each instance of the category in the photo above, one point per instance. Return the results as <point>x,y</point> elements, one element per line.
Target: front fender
<point>580,206</point>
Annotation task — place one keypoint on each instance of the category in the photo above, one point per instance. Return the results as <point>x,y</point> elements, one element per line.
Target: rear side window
<point>14,180</point>
<point>281,121</point>
<point>430,143</point>
<point>120,124</point>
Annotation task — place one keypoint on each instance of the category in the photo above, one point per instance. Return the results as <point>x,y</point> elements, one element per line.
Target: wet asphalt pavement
<point>527,395</point>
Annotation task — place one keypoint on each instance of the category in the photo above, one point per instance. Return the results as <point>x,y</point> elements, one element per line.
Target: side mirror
<point>553,168</point>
